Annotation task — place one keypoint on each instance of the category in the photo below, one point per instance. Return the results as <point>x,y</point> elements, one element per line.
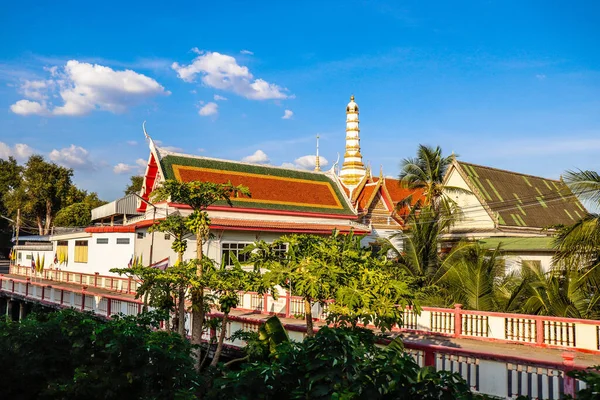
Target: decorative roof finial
<point>317,162</point>
<point>351,97</point>
<point>144,129</point>
<point>380,171</point>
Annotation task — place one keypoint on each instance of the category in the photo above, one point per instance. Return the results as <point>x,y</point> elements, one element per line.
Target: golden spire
<point>353,169</point>
<point>317,162</point>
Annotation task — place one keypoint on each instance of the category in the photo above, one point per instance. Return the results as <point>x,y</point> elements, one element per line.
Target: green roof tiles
<point>523,200</point>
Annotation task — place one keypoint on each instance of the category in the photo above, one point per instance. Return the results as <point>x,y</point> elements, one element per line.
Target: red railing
<point>114,283</point>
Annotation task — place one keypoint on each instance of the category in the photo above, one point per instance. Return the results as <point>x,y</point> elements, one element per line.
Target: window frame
<point>225,256</point>
<point>81,256</point>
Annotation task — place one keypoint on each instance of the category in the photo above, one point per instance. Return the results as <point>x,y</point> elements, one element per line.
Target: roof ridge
<point>177,154</point>
<point>510,172</point>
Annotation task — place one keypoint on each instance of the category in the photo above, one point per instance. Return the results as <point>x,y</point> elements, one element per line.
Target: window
<point>280,249</point>
<point>28,256</point>
<point>234,248</point>
<point>19,254</point>
<point>140,235</point>
<point>167,236</point>
<point>122,240</point>
<point>102,241</point>
<point>81,251</point>
<point>62,247</point>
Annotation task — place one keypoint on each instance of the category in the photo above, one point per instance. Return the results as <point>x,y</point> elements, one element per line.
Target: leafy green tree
<point>364,286</point>
<point>135,184</point>
<point>199,196</point>
<point>339,364</point>
<point>78,213</point>
<point>42,193</point>
<point>74,355</point>
<point>176,226</point>
<point>226,283</point>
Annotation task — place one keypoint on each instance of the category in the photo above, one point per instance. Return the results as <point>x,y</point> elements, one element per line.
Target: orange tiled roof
<point>271,187</point>
<point>366,196</point>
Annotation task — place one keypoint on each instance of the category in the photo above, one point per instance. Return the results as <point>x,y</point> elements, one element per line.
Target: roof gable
<point>520,200</point>
<point>272,188</point>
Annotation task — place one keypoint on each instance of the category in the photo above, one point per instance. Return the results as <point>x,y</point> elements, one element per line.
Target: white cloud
<point>75,157</point>
<point>248,52</point>
<point>141,163</point>
<point>174,149</point>
<point>287,114</point>
<point>27,107</point>
<point>132,142</point>
<point>259,157</point>
<point>85,87</point>
<point>122,168</point>
<point>540,77</point>
<point>217,97</point>
<point>19,151</point>
<point>209,109</point>
<point>309,161</point>
<point>222,72</point>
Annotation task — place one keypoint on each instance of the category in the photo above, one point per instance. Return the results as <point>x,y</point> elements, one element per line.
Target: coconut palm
<point>579,244</point>
<point>564,291</point>
<point>424,175</point>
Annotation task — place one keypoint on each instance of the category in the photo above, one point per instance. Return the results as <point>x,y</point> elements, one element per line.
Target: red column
<point>568,382</point>
<point>83,299</point>
<point>129,285</point>
<point>108,307</point>
<point>96,279</point>
<point>539,332</point>
<point>266,305</point>
<point>457,320</point>
<point>429,358</point>
<point>288,303</point>
<point>26,286</point>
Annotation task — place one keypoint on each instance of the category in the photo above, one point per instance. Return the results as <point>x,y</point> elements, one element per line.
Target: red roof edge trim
<point>270,212</point>
<point>149,180</point>
<point>288,230</point>
<point>110,229</point>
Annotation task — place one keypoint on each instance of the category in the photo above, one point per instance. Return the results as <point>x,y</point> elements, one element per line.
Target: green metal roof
<point>518,243</point>
<point>524,200</point>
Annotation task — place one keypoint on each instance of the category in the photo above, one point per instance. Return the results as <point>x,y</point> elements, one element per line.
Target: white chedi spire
<point>353,169</point>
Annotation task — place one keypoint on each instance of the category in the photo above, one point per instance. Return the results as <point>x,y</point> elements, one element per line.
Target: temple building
<point>499,207</point>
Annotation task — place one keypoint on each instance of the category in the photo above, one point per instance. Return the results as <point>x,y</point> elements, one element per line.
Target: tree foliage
<point>339,363</point>
<point>72,355</point>
<point>135,184</point>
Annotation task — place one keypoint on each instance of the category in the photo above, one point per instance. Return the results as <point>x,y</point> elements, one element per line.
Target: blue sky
<point>509,84</point>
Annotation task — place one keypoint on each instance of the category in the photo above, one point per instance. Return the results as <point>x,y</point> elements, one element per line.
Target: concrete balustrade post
<point>266,303</point>
<point>568,382</point>
<point>539,332</point>
<point>457,320</point>
<point>96,279</point>
<point>9,306</point>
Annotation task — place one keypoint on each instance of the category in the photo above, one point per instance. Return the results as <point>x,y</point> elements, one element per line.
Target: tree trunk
<point>38,219</point>
<point>308,315</point>
<point>48,217</point>
<point>198,304</point>
<point>181,312</point>
<point>222,334</point>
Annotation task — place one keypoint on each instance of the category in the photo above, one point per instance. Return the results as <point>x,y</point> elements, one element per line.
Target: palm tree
<point>424,175</point>
<point>564,291</point>
<point>475,277</point>
<point>580,243</point>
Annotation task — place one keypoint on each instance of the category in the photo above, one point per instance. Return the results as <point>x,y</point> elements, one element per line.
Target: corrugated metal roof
<point>32,238</point>
<point>124,206</point>
<point>523,200</point>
